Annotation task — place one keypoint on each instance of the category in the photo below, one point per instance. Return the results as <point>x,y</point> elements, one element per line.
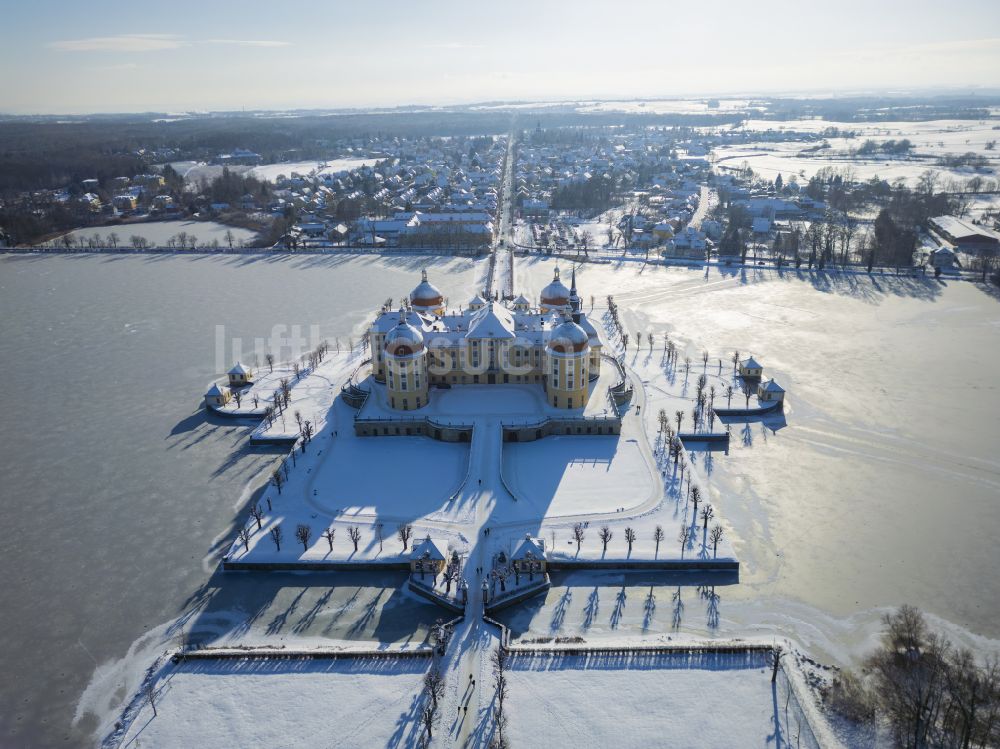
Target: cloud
<point>453,45</point>
<point>114,68</point>
<point>150,43</point>
<point>120,43</point>
<point>249,42</point>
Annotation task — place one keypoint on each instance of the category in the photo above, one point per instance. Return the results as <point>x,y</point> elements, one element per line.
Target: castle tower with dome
<point>406,366</point>
<point>489,342</point>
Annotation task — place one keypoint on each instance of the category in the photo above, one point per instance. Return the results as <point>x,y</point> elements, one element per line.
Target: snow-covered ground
<point>313,394</point>
<point>283,703</point>
<point>931,140</point>
<point>855,467</point>
<point>577,475</point>
<point>196,171</point>
<point>271,172</point>
<point>851,464</point>
<point>158,232</point>
<point>641,700</point>
<point>667,106</point>
<point>344,481</point>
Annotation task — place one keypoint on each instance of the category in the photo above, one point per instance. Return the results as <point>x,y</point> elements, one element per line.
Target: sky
<point>100,56</point>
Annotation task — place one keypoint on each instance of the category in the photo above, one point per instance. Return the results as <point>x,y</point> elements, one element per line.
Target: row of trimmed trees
<point>686,533</point>
<point>304,532</point>
<point>670,446</point>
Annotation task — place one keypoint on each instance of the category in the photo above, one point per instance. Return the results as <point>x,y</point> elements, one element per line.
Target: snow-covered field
<point>667,106</point>
<point>399,476</point>
<point>158,232</point>
<point>651,700</point>
<point>577,475</point>
<point>271,172</point>
<point>196,171</point>
<point>343,480</point>
<point>931,140</point>
<point>283,703</point>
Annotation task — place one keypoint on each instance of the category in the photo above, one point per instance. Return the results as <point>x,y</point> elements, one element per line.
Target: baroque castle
<point>422,345</point>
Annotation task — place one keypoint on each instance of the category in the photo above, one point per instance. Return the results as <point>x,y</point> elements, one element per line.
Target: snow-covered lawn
<point>344,481</point>
<point>643,700</point>
<point>283,703</point>
<point>396,476</point>
<point>578,475</point>
<point>313,394</point>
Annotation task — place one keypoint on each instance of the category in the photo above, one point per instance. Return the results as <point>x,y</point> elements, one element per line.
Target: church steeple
<point>574,299</point>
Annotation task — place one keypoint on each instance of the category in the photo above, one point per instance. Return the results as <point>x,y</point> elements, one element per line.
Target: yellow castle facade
<point>489,342</point>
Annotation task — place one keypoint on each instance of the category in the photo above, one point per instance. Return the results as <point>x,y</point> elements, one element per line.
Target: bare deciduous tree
<point>498,659</point>
<point>578,534</point>
<point>657,537</point>
<point>329,534</point>
<point>683,537</point>
<point>276,534</point>
<point>715,536</point>
<point>434,686</point>
<point>630,538</point>
<point>405,533</point>
<point>244,538</point>
<point>605,535</point>
<point>707,513</point>
<point>777,653</point>
<point>150,692</point>
<point>354,533</point>
<point>303,533</point>
<point>428,716</point>
<point>256,513</point>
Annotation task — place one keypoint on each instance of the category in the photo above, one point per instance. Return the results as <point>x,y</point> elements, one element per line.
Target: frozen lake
<point>157,233</point>
<point>884,486</point>
<point>119,496</point>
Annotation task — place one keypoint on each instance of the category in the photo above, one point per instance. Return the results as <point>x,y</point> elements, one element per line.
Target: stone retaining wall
<point>324,566</point>
<point>673,565</point>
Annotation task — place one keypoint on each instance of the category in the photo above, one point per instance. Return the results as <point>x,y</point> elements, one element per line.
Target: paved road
<point>503,275</point>
<point>706,200</point>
